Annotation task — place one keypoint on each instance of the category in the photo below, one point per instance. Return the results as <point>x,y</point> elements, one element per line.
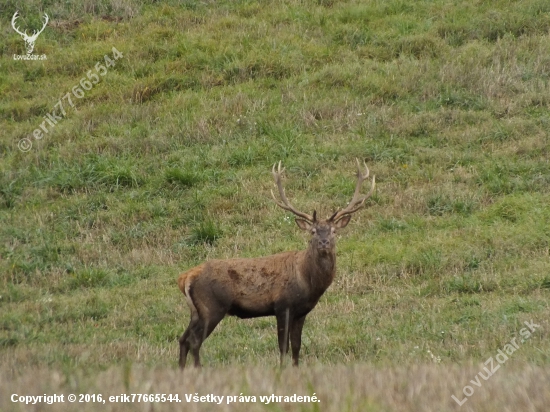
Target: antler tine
<point>356,202</point>
<point>285,203</point>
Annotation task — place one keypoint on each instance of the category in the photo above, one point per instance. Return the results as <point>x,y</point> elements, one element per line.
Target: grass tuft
<point>205,232</point>
<point>180,177</point>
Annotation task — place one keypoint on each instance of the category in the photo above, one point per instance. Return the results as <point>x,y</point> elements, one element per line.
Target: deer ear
<point>303,224</point>
<point>342,222</point>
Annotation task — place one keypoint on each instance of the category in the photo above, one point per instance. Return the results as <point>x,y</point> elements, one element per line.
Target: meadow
<point>165,160</point>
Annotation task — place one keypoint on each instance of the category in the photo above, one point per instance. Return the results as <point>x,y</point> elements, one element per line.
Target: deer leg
<point>283,327</point>
<point>184,341</point>
<point>184,348</point>
<point>199,332</point>
<point>296,338</point>
<point>196,339</point>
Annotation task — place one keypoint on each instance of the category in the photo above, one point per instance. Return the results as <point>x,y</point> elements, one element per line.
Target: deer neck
<point>318,269</point>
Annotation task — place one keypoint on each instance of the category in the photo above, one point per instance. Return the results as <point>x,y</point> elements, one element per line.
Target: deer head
<point>324,231</point>
<point>29,40</point>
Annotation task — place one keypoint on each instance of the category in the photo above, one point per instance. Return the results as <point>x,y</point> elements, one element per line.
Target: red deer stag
<point>287,285</point>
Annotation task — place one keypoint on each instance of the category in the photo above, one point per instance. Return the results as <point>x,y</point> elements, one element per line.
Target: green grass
<point>166,162</point>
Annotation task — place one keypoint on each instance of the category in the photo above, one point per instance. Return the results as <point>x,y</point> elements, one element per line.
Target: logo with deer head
<point>29,40</point>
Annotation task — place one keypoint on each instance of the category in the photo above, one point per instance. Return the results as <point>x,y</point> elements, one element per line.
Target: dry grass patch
<point>424,387</point>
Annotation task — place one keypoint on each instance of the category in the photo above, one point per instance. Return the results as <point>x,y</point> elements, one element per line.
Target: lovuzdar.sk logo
<point>29,40</point>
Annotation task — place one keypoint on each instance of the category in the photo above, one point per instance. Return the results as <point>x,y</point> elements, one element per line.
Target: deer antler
<point>357,201</point>
<point>36,33</point>
<point>286,204</point>
<point>24,34</point>
<point>15,16</point>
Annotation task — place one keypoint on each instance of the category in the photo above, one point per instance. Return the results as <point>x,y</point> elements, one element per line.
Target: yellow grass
<point>360,387</point>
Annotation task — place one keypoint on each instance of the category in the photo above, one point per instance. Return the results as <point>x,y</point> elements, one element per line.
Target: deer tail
<point>185,282</point>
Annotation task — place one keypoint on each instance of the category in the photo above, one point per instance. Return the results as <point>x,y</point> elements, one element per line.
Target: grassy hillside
<point>165,162</point>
